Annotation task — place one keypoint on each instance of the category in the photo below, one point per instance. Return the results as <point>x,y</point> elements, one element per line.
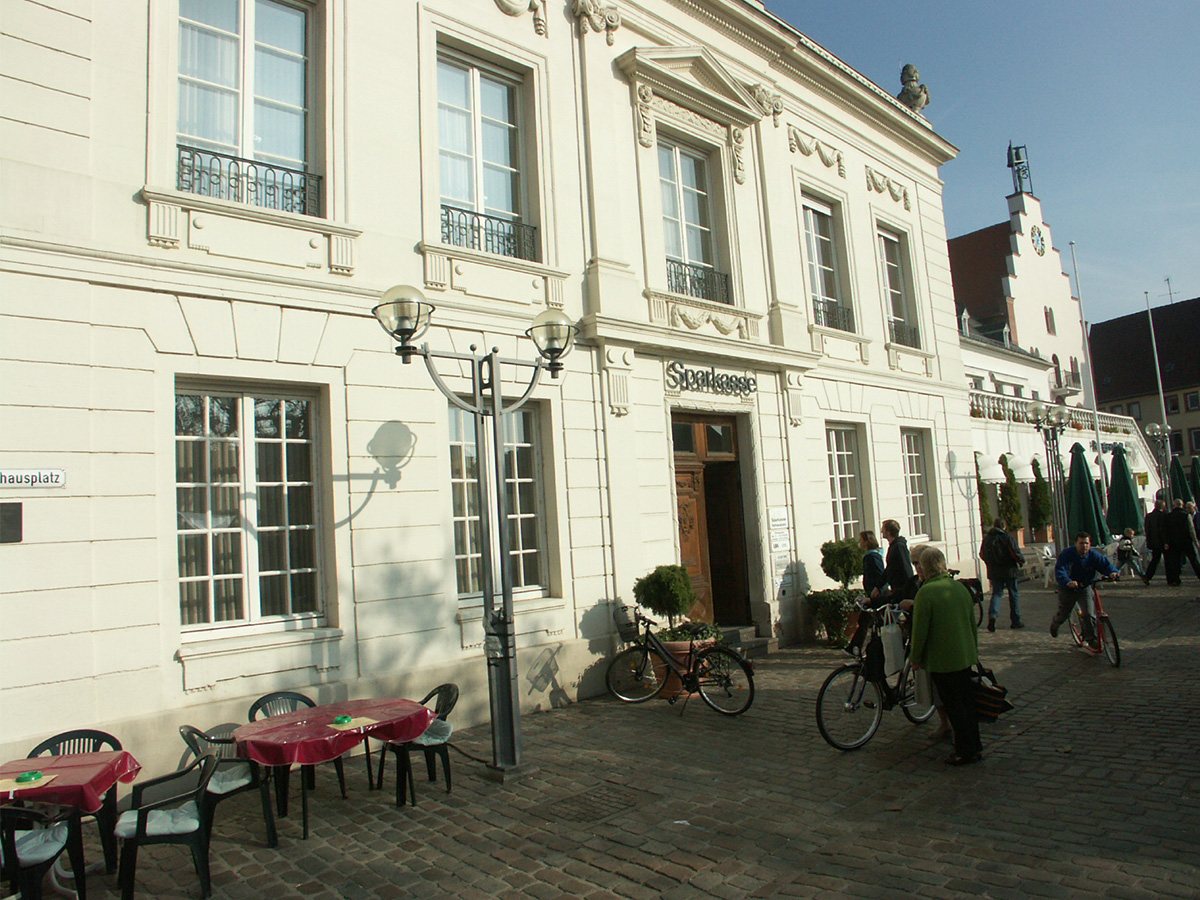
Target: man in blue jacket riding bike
<point>1077,569</point>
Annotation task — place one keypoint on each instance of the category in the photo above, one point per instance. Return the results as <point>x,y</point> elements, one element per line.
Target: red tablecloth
<point>81,779</point>
<point>306,736</point>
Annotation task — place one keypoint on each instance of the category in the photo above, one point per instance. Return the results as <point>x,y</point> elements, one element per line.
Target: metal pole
<point>502,666</point>
<point>1087,350</point>
<point>1058,485</point>
<point>1165,477</point>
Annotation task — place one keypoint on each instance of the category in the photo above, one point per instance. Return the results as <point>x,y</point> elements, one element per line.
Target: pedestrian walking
<point>1002,556</point>
<point>945,642</point>
<point>1128,556</point>
<point>1156,536</point>
<point>1181,544</point>
<point>898,567</point>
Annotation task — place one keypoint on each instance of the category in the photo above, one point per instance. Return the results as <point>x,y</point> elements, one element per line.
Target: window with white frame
<point>1176,443</point>
<point>902,320</point>
<point>1135,410</point>
<point>1049,320</point>
<point>1172,404</point>
<point>916,481</point>
<point>830,308</point>
<point>246,507</point>
<point>1192,400</point>
<point>684,179</point>
<point>845,481</point>
<point>481,151</point>
<point>1194,437</point>
<point>523,486</point>
<point>243,127</point>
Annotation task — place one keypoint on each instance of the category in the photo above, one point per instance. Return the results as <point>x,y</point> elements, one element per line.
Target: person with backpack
<point>1002,556</point>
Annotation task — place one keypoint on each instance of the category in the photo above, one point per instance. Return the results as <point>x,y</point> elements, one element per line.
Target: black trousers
<point>955,689</point>
<point>1155,556</point>
<point>1175,558</point>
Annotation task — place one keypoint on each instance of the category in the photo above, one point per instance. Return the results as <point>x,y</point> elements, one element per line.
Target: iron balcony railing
<point>248,181</point>
<point>828,314</point>
<point>905,335</point>
<point>701,282</point>
<point>491,234</point>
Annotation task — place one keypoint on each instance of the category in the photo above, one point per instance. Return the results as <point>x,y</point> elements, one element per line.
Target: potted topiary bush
<point>667,591</point>
<point>842,561</point>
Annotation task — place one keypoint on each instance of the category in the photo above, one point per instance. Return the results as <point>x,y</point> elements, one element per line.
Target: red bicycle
<point>1106,635</point>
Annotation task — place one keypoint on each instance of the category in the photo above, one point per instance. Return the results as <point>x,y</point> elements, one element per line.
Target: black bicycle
<point>722,677</point>
<point>852,700</point>
<point>975,586</point>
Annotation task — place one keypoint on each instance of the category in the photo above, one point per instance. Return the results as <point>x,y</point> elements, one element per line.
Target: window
<point>1172,404</point>
<point>481,151</point>
<point>1135,410</point>
<point>916,481</point>
<point>1050,321</point>
<point>824,279</point>
<point>523,490</point>
<point>1176,443</point>
<point>243,130</point>
<point>246,508</point>
<point>841,443</point>
<point>683,177</point>
<point>1119,409</point>
<point>902,325</point>
<point>1192,400</point>
<point>1194,438</point>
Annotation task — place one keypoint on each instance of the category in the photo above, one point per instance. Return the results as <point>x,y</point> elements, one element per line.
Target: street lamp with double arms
<point>1160,435</point>
<point>1051,421</point>
<point>405,314</point>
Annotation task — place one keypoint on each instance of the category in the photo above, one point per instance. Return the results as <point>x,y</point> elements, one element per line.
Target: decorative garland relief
<point>808,145</point>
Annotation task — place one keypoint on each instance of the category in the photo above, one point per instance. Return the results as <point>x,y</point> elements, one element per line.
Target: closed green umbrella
<point>1180,489</point>
<point>1124,507</point>
<point>1083,510</point>
<point>1194,478</point>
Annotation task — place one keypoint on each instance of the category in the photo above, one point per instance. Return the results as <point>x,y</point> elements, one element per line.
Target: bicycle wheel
<point>914,712</point>
<point>978,610</point>
<point>849,708</point>
<point>1108,640</point>
<point>726,681</point>
<point>636,674</point>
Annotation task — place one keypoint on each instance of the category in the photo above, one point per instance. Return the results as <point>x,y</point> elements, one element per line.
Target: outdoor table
<point>309,736</point>
<point>84,781</point>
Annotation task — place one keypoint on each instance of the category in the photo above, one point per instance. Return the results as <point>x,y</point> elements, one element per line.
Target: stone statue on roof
<point>913,95</point>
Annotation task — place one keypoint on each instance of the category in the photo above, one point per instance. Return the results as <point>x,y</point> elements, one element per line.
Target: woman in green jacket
<point>945,642</point>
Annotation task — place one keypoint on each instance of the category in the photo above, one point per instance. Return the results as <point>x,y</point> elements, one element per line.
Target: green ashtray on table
<point>28,777</point>
<point>342,720</point>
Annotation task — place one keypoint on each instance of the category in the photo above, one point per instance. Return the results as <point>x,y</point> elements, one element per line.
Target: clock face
<point>1039,240</point>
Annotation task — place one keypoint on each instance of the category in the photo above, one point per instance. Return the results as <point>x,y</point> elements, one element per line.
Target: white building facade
<point>204,200</point>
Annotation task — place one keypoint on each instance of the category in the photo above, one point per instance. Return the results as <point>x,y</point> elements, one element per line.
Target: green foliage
<point>842,560</point>
<point>1041,507</point>
<point>985,506</point>
<point>666,591</point>
<point>832,610</point>
<point>1010,499</point>
<point>705,632</point>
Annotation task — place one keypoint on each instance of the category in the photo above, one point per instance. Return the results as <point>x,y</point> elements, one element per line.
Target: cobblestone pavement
<point>1089,788</point>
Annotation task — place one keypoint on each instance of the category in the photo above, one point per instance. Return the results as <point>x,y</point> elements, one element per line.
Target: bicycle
<point>975,586</point>
<point>722,677</point>
<point>851,702</point>
<point>1102,627</point>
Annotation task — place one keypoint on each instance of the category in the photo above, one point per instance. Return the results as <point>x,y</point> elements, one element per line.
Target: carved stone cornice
<point>618,366</point>
<point>592,16</point>
<point>877,181</point>
<point>770,100</point>
<point>520,7</point>
<point>808,145</point>
<point>673,110</point>
<point>681,311</point>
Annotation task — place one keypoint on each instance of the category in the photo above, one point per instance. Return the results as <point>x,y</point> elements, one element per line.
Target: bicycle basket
<point>627,628</point>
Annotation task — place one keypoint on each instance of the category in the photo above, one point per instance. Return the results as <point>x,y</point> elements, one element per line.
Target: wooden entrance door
<point>708,495</point>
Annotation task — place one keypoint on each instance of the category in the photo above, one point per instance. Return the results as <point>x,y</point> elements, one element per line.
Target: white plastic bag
<point>893,646</point>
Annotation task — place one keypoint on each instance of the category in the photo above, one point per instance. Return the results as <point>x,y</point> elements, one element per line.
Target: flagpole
<point>1087,349</point>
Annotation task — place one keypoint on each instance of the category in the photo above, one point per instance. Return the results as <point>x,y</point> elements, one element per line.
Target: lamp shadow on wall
<point>392,447</point>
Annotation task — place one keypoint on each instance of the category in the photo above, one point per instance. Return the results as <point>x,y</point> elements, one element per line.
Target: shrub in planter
<point>667,591</point>
<point>832,610</point>
<point>842,560</point>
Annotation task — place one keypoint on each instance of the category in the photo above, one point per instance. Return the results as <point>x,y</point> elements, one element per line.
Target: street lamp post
<point>405,314</point>
<point>1051,421</point>
<point>1160,435</point>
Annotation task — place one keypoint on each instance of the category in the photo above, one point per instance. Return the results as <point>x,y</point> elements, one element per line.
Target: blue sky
<point>1105,94</point>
